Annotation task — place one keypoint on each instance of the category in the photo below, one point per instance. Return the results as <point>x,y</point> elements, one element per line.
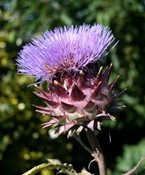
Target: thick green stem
<point>96,151</point>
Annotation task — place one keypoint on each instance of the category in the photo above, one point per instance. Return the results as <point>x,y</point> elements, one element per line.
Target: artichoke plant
<point>78,93</point>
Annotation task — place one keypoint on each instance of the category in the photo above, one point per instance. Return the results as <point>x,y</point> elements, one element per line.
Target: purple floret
<point>63,50</point>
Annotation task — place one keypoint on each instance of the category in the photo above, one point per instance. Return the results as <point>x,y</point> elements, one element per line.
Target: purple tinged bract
<point>64,49</point>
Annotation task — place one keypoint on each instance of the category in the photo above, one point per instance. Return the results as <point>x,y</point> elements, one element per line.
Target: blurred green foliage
<point>23,143</point>
<point>131,155</point>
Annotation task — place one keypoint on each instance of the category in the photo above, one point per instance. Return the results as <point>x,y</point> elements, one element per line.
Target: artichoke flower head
<point>78,95</point>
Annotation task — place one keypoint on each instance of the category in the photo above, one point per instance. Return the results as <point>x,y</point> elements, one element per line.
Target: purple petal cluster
<point>64,49</point>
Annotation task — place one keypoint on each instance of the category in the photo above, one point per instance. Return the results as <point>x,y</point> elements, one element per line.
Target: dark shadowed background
<point>23,142</point>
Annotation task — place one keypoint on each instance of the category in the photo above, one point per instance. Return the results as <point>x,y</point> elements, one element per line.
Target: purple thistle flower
<point>64,50</point>
<point>76,97</point>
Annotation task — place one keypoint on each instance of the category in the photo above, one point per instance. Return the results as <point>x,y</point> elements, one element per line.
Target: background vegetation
<point>23,143</point>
